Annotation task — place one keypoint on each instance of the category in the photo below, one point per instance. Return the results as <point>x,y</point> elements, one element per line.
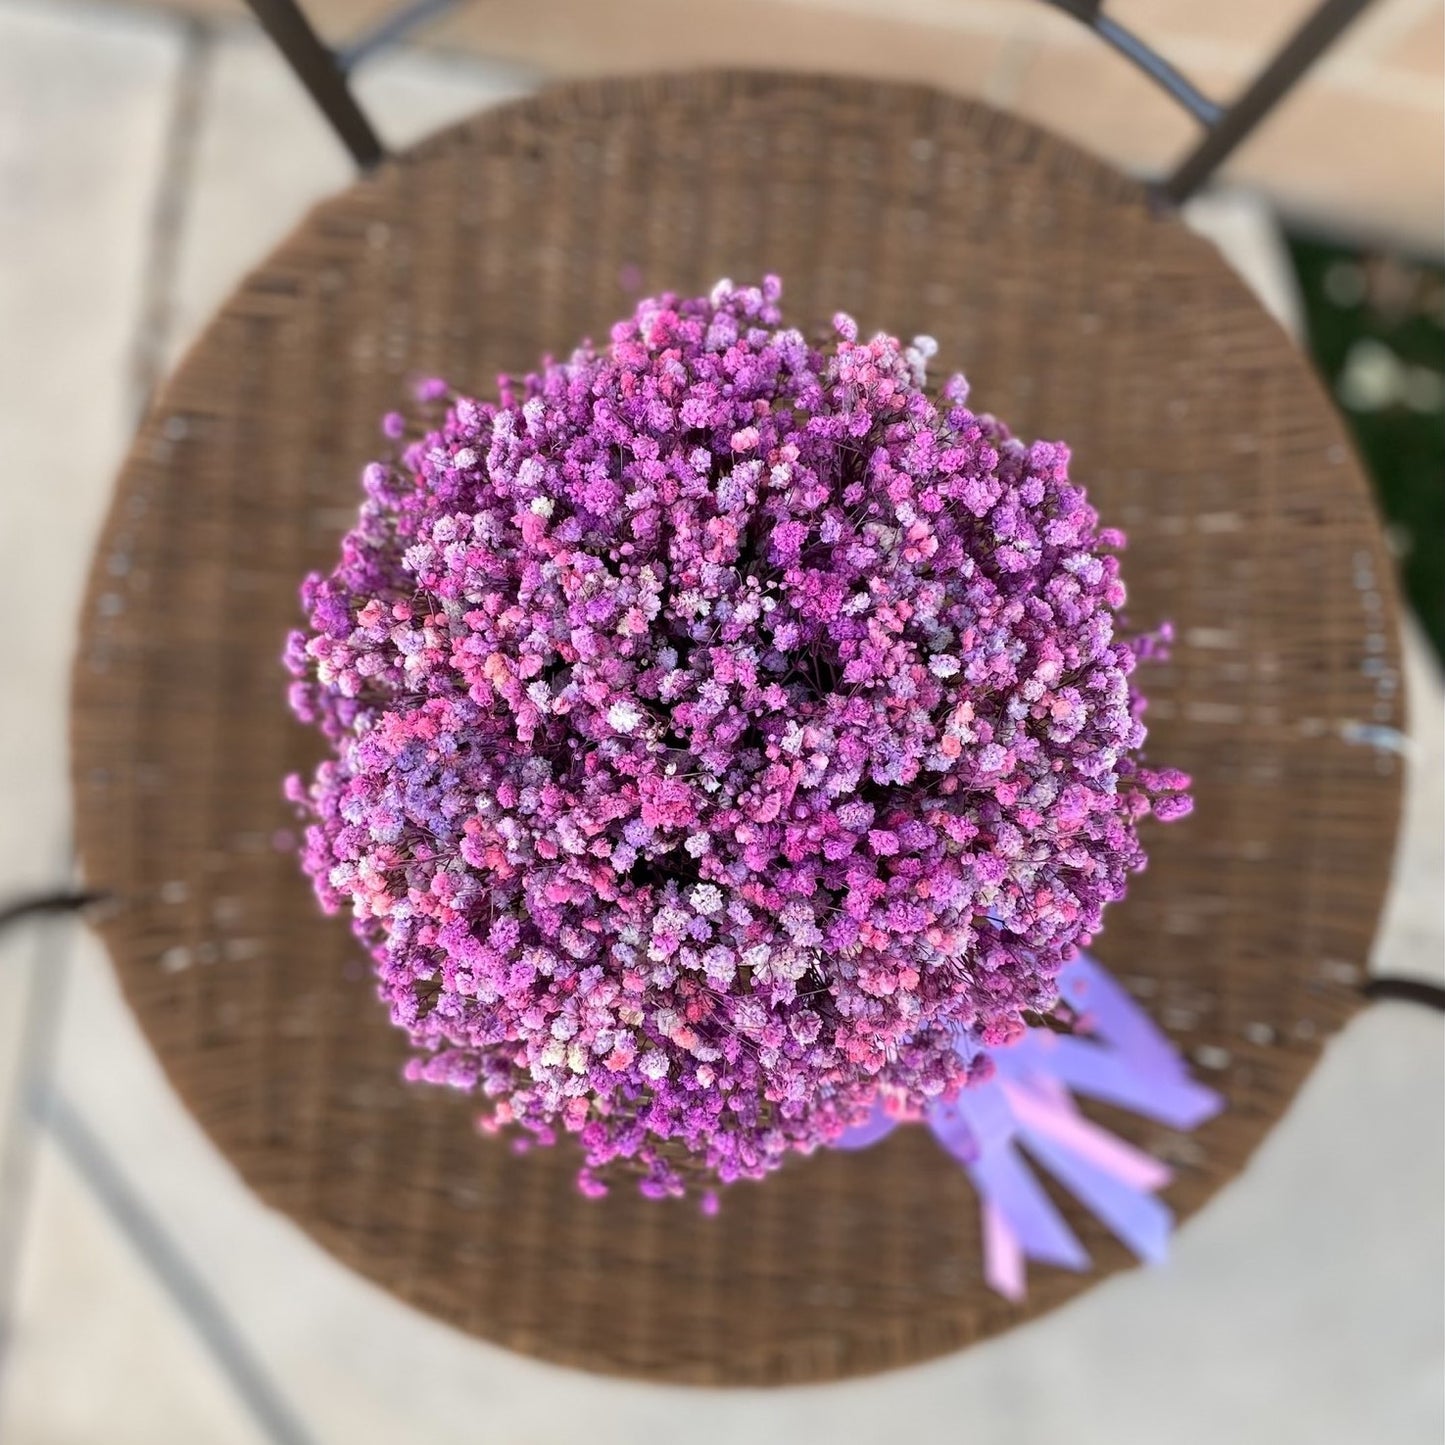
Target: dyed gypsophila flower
<point>722,726</point>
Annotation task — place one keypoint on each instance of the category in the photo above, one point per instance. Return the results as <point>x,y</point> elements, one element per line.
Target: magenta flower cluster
<point>722,726</point>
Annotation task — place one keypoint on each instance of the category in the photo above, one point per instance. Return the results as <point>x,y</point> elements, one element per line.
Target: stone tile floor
<point>146,1297</point>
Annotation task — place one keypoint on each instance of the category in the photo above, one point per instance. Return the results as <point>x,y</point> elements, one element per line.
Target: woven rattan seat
<point>1077,313</point>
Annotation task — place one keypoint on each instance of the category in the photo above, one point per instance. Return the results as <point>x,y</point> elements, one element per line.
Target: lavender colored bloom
<point>721,725</point>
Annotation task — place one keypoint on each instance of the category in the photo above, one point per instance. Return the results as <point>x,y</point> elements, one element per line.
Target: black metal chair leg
<point>1274,82</point>
<point>317,69</point>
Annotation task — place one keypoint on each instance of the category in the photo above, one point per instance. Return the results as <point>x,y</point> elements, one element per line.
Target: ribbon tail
<point>1140,1220</point>
<point>1006,1184</point>
<point>1172,1098</point>
<point>1058,1121</point>
<point>1117,1018</point>
<point>1003,1255</point>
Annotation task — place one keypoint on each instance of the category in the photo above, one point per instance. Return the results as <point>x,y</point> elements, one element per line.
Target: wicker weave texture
<point>1077,314</point>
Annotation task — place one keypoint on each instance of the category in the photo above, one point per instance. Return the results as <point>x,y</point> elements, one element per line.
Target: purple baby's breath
<point>721,727</point>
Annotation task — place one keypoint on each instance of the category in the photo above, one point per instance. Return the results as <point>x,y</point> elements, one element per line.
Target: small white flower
<point>943,665</point>
<point>706,899</point>
<point>464,458</point>
<point>756,956</point>
<point>540,506</point>
<point>622,717</point>
<point>653,1064</point>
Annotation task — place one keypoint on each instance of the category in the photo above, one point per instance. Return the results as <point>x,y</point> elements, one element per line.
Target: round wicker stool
<point>1077,314</point>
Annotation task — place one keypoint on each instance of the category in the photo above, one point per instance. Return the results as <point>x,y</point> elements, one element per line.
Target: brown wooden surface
<point>1077,315</point>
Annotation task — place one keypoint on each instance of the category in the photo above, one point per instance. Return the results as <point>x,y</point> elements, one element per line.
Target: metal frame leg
<point>1274,82</point>
<point>324,74</point>
<point>317,69</point>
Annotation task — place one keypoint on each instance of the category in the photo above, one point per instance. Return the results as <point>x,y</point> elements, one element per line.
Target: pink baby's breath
<point>721,726</point>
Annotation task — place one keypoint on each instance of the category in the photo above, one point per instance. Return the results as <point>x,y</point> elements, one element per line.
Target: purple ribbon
<point>1120,1057</point>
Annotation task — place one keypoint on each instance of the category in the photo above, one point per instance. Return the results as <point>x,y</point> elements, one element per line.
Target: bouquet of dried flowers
<point>725,728</point>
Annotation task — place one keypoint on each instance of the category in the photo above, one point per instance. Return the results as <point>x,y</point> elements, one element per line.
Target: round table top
<point>1078,313</point>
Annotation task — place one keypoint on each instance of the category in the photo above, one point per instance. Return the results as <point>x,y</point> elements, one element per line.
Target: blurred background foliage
<point>1376,327</point>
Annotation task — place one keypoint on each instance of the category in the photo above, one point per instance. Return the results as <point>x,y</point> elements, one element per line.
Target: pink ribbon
<point>1119,1057</point>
